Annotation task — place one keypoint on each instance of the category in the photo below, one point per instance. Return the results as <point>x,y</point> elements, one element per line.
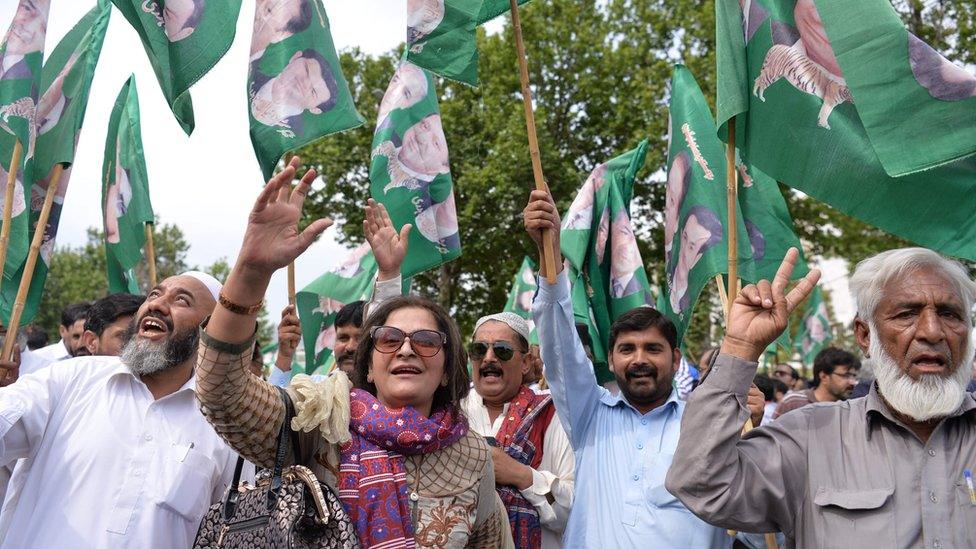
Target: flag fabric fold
<point>797,121</point>
<point>184,39</point>
<point>814,334</point>
<point>296,90</point>
<point>318,303</point>
<point>521,293</point>
<point>126,207</point>
<point>410,170</point>
<point>21,56</point>
<point>65,84</point>
<point>598,242</point>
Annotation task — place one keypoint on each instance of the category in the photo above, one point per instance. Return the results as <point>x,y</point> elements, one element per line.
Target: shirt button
<point>643,422</point>
<point>932,453</point>
<point>147,437</point>
<point>933,498</point>
<point>636,477</point>
<point>640,446</point>
<point>137,474</point>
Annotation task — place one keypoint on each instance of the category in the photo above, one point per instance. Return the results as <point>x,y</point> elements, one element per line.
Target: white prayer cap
<point>512,320</point>
<point>212,284</point>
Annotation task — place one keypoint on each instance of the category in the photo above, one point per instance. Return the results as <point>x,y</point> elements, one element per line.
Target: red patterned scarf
<point>521,435</point>
<point>372,478</point>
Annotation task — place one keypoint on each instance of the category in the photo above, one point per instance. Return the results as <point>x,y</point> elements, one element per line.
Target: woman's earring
<point>444,382</point>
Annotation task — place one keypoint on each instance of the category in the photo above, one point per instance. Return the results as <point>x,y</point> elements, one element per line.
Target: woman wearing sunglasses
<point>407,468</point>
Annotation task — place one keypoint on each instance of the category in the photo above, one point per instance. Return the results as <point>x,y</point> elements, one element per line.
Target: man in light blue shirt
<point>623,443</point>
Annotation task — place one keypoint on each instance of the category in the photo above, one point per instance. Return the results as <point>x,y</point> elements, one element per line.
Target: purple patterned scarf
<point>372,477</point>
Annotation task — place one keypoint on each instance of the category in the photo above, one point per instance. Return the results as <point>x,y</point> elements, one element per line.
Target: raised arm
<point>389,248</point>
<point>568,371</point>
<point>752,483</point>
<point>245,410</point>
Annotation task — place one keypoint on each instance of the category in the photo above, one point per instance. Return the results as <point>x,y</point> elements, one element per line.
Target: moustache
<point>490,369</point>
<point>346,355</point>
<point>641,370</point>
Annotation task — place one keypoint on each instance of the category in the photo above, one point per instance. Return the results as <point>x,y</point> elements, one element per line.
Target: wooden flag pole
<point>8,204</point>
<point>151,255</point>
<point>732,190</point>
<point>32,255</point>
<point>548,241</point>
<point>291,266</point>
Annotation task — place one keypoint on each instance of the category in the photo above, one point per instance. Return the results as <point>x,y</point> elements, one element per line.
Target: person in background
<point>835,371</point>
<point>110,323</point>
<point>36,337</point>
<point>866,379</point>
<point>348,323</point>
<point>71,329</point>
<point>705,362</point>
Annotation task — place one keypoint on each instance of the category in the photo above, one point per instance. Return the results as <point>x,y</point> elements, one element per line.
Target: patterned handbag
<point>285,508</point>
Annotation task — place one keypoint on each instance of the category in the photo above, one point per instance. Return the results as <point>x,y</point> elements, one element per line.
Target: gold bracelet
<point>239,309</point>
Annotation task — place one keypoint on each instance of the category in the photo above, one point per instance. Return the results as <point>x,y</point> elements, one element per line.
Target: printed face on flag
<point>702,230</point>
<point>757,240</point>
<point>53,103</point>
<point>305,84</point>
<point>423,16</point>
<point>278,20</point>
<point>814,37</point>
<point>117,198</point>
<point>602,235</point>
<point>351,265</point>
<point>677,186</point>
<point>626,259</point>
<point>580,215</point>
<point>438,223</point>
<point>943,79</point>
<point>180,17</point>
<point>20,205</point>
<point>27,30</point>
<point>424,149</point>
<point>407,88</point>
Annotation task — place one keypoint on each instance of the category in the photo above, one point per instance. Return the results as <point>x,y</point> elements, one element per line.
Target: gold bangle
<point>239,309</point>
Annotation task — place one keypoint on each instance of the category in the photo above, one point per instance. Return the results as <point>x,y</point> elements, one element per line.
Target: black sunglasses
<point>503,350</point>
<point>426,343</point>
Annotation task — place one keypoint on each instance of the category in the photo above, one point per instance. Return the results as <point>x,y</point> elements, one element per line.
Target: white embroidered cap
<point>512,320</point>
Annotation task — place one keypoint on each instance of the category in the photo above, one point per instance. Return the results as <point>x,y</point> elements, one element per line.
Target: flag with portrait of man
<point>296,90</point>
<point>65,85</point>
<point>696,207</point>
<point>410,171</point>
<point>836,98</point>
<point>602,255</point>
<point>319,302</point>
<point>184,39</point>
<point>442,34</point>
<point>126,208</point>
<point>21,56</point>
<point>521,293</point>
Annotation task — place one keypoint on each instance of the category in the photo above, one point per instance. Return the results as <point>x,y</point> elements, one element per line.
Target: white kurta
<point>53,352</point>
<point>106,464</point>
<point>555,475</point>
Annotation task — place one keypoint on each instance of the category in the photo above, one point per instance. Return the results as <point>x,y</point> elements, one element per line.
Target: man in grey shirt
<point>887,470</point>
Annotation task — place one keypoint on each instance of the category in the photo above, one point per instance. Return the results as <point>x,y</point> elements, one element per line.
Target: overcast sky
<point>206,183</point>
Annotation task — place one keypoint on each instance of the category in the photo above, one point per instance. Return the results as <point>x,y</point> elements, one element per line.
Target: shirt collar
<point>876,407</point>
<point>618,399</point>
<point>119,369</point>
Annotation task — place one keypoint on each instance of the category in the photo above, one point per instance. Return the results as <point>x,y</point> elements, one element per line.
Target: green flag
<point>296,90</point>
<point>126,207</point>
<point>318,303</point>
<point>814,334</point>
<point>21,55</point>
<point>783,100</point>
<point>184,39</point>
<point>598,242</point>
<point>768,225</point>
<point>410,172</point>
<point>918,108</point>
<point>65,84</point>
<point>696,203</point>
<point>441,34</point>
<point>521,294</point>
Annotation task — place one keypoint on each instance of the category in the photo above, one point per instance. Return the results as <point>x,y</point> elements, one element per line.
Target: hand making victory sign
<point>389,247</point>
<point>761,311</point>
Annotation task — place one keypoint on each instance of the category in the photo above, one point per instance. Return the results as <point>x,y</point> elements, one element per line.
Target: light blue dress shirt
<point>622,456</point>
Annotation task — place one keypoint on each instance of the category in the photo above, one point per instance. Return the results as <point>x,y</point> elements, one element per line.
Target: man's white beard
<point>932,395</point>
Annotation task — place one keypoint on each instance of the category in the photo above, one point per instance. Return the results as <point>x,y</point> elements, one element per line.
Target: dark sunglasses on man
<point>426,343</point>
<point>502,349</point>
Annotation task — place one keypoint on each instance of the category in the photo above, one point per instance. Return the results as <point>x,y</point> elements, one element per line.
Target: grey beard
<point>144,357</point>
<point>931,396</point>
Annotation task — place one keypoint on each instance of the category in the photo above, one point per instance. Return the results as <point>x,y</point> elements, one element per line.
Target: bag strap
<point>233,494</point>
<point>283,439</point>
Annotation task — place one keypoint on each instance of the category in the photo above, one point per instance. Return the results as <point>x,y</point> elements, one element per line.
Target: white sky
<point>206,183</point>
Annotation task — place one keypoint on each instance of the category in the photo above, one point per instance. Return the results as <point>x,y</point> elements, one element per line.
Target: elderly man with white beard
<point>117,451</point>
<point>891,469</point>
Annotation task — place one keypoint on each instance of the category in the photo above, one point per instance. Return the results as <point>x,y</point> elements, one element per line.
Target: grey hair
<point>872,274</point>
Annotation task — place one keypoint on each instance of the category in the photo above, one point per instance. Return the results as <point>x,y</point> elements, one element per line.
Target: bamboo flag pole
<point>732,190</point>
<point>32,255</point>
<point>291,266</point>
<point>8,204</point>
<point>151,255</point>
<point>548,241</point>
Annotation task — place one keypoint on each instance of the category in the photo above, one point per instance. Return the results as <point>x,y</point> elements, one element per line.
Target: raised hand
<point>761,311</point>
<point>272,239</point>
<point>389,247</point>
<point>539,215</point>
<point>289,334</point>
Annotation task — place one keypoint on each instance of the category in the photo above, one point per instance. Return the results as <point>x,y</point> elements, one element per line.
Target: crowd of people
<point>127,430</point>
